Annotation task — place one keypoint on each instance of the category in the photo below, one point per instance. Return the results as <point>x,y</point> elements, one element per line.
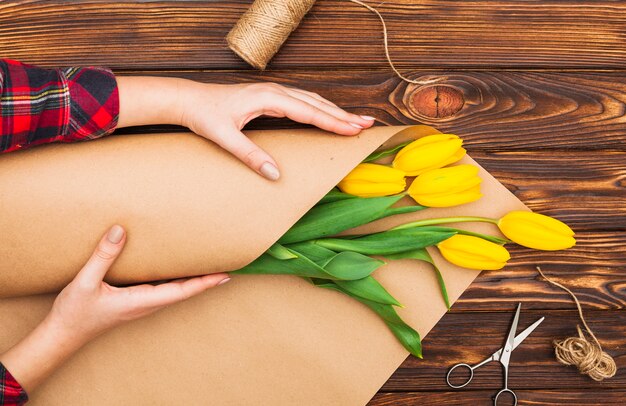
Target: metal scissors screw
<point>503,356</point>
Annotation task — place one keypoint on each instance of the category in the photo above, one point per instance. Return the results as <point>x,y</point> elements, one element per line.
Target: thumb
<point>235,142</point>
<point>104,255</point>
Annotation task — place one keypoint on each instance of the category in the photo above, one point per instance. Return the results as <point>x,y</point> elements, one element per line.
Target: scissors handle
<point>471,369</point>
<point>505,390</point>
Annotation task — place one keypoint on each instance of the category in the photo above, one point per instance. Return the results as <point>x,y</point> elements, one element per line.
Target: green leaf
<point>334,196</point>
<point>344,266</point>
<point>268,265</point>
<point>392,211</point>
<point>408,337</point>
<point>351,266</point>
<point>369,288</point>
<point>389,242</point>
<point>420,254</point>
<point>423,255</point>
<point>334,217</point>
<point>279,252</point>
<point>314,252</point>
<point>391,151</point>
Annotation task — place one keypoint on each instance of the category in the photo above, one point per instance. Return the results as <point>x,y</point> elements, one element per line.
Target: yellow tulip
<point>447,187</point>
<point>371,180</point>
<point>430,152</point>
<point>536,231</point>
<point>472,252</point>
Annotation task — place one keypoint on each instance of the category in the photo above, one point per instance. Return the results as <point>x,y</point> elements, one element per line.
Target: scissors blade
<point>522,336</point>
<point>505,355</point>
<point>518,339</point>
<point>510,340</point>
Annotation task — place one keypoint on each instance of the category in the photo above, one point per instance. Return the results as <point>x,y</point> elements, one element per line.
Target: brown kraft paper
<point>190,208</point>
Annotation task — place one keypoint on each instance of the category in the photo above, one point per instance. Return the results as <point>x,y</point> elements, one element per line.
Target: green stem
<point>487,237</point>
<point>445,220</point>
<point>461,219</point>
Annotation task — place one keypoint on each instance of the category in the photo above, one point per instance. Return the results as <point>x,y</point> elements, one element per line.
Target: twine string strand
<point>386,44</point>
<point>585,355</point>
<point>266,25</point>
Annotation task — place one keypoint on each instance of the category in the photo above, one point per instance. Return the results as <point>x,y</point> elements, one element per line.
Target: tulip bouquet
<point>317,249</point>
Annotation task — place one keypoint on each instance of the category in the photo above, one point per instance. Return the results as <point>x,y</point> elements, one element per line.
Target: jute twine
<point>586,355</point>
<point>266,25</point>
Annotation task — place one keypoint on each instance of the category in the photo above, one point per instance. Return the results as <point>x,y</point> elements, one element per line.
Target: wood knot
<point>437,101</point>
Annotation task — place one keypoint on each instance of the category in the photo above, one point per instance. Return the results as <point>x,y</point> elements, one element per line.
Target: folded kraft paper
<point>190,208</point>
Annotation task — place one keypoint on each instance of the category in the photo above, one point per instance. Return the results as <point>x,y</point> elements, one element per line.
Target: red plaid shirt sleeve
<point>39,106</point>
<point>11,392</point>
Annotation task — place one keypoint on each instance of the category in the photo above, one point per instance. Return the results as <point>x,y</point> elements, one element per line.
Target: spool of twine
<point>266,25</point>
<point>580,352</point>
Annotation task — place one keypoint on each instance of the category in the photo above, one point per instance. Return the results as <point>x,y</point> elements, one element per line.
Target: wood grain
<point>502,111</point>
<point>437,33</point>
<point>536,88</point>
<point>484,398</point>
<point>597,287</point>
<point>473,336</point>
<point>586,190</point>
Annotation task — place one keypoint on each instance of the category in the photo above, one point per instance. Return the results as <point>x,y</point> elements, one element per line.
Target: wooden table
<point>536,88</point>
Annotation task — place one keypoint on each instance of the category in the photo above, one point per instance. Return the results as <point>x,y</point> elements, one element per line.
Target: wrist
<point>190,96</point>
<point>149,100</point>
<point>60,334</point>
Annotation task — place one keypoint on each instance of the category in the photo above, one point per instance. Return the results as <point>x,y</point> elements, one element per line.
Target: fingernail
<point>115,235</point>
<point>356,125</point>
<point>368,118</point>
<point>270,171</point>
<point>223,281</point>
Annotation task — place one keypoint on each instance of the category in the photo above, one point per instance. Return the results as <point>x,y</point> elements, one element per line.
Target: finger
<point>154,297</point>
<point>104,255</point>
<point>334,110</point>
<point>235,142</point>
<point>316,96</point>
<point>306,113</point>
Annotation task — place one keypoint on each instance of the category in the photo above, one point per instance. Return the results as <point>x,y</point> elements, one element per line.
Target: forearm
<point>146,100</point>
<point>35,357</point>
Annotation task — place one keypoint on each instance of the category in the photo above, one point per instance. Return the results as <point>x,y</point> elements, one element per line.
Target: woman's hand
<point>89,306</point>
<point>219,112</point>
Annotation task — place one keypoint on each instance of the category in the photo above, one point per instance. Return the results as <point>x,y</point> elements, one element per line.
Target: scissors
<point>503,355</point>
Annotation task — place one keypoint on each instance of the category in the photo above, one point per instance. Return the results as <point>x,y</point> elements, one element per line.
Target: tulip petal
<point>440,180</point>
<point>371,189</point>
<point>372,180</point>
<point>473,252</point>
<point>447,187</point>
<point>537,231</point>
<point>429,139</point>
<point>450,200</point>
<point>375,173</point>
<point>430,152</point>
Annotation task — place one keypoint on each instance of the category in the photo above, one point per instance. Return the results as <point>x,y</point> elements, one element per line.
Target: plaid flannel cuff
<point>33,105</point>
<point>94,103</point>
<point>39,106</point>
<point>11,392</point>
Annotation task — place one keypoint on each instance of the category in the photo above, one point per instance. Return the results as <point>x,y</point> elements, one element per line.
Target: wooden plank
<point>484,397</point>
<point>593,269</point>
<point>598,249</point>
<point>438,33</point>
<point>501,111</point>
<point>597,287</point>
<point>586,190</point>
<point>472,336</point>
